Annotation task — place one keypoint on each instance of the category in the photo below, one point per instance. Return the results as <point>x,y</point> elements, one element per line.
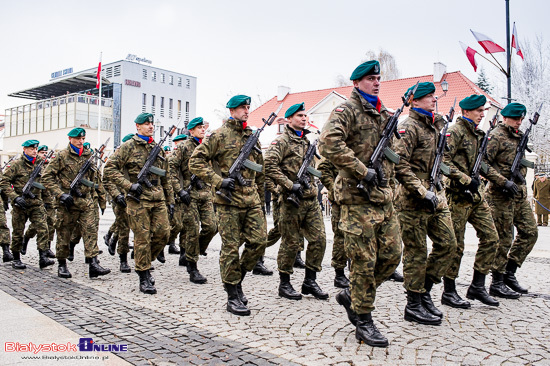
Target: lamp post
<point>445,88</point>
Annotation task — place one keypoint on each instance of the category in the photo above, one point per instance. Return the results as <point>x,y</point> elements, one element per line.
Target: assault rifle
<point>242,160</point>
<point>9,161</point>
<point>74,189</point>
<point>520,151</point>
<point>37,172</point>
<point>196,182</point>
<point>149,168</point>
<point>382,149</point>
<point>440,167</point>
<point>479,165</point>
<point>302,177</point>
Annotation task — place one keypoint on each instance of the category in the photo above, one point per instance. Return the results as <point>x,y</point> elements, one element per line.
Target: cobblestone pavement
<point>187,323</point>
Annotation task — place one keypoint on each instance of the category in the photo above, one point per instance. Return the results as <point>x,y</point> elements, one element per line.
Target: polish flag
<point>487,43</point>
<point>312,125</point>
<point>98,74</point>
<point>470,53</point>
<point>515,42</point>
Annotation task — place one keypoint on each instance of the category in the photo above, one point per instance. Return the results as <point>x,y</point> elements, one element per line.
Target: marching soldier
<point>75,211</point>
<point>369,222</point>
<point>466,199</point>
<point>147,215</point>
<point>541,193</point>
<point>243,216</point>
<point>13,181</point>
<point>7,256</point>
<point>509,205</point>
<point>179,139</point>
<point>422,212</point>
<point>282,162</point>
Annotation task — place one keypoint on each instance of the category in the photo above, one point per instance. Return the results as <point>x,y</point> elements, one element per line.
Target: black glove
<point>67,200</point>
<point>20,202</point>
<point>473,186</point>
<point>6,205</point>
<point>120,200</point>
<point>431,200</point>
<point>136,189</point>
<point>171,211</point>
<point>228,183</point>
<point>184,197</point>
<point>102,210</point>
<point>371,177</point>
<point>297,190</point>
<point>263,209</point>
<point>511,187</point>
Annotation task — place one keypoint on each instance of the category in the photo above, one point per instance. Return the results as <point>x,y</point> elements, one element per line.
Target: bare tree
<point>341,80</point>
<point>388,65</point>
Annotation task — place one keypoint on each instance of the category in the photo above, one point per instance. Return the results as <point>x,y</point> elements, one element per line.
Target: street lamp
<point>445,88</point>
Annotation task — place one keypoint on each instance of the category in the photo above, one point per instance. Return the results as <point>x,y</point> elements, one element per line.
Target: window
<point>117,70</point>
<point>143,102</point>
<point>171,80</point>
<point>187,83</point>
<point>179,81</point>
<point>187,111</point>
<point>162,106</point>
<point>179,109</point>
<point>281,128</point>
<point>144,74</point>
<point>153,100</point>
<point>109,72</point>
<point>153,75</point>
<point>162,78</point>
<point>170,108</point>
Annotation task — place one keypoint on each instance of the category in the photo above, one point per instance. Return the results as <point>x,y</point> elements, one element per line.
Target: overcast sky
<point>251,47</point>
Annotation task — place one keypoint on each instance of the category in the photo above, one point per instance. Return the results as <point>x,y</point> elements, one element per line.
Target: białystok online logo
<point>88,345</point>
<point>84,345</point>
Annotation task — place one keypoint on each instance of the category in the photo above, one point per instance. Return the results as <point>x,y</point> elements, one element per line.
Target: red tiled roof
<point>390,92</point>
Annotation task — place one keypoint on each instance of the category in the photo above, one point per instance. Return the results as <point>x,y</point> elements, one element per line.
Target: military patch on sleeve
<point>448,134</point>
<point>402,131</point>
<point>274,142</point>
<point>339,109</point>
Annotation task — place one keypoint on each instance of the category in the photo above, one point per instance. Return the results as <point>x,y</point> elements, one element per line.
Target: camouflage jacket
<point>112,189</point>
<point>47,197</point>
<point>417,147</point>
<point>123,168</point>
<point>329,173</point>
<point>501,151</point>
<point>348,140</point>
<point>221,149</point>
<point>271,186</point>
<point>283,160</point>
<point>180,174</point>
<point>100,194</point>
<point>16,176</point>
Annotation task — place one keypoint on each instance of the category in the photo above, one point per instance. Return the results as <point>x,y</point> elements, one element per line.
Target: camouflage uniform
<point>242,218</point>
<point>508,211</point>
<point>51,213</point>
<point>463,143</point>
<point>121,226</point>
<point>417,148</point>
<point>148,218</point>
<point>274,234</point>
<point>371,228</point>
<point>4,230</point>
<point>198,218</point>
<point>100,202</point>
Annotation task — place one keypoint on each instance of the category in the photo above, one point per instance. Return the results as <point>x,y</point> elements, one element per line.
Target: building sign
<point>60,73</point>
<point>137,84</point>
<point>134,58</point>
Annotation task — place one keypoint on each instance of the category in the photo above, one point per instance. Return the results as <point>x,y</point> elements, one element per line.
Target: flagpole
<point>99,114</point>
<point>495,65</point>
<point>508,53</point>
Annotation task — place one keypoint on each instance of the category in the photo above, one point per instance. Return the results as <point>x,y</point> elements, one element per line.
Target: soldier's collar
<point>237,125</point>
<point>292,133</point>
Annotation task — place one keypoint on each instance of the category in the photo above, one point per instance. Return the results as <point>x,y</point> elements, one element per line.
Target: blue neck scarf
<point>30,158</point>
<point>423,111</point>
<point>198,140</point>
<point>472,122</point>
<point>147,139</point>
<point>76,149</point>
<point>372,99</point>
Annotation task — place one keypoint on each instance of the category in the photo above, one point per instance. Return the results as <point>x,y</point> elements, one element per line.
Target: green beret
<point>294,108</point>
<point>127,137</point>
<point>77,132</point>
<point>43,148</point>
<point>472,102</point>
<point>31,143</point>
<point>180,137</point>
<point>195,122</point>
<point>423,89</point>
<point>366,68</point>
<point>167,148</point>
<point>86,145</point>
<point>237,101</point>
<point>514,110</point>
<point>144,117</point>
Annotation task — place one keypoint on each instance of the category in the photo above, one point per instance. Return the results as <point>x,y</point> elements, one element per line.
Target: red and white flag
<point>470,53</point>
<point>487,43</point>
<point>98,72</point>
<point>515,42</point>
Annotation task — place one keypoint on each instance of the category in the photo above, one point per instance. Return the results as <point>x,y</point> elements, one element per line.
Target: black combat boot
<point>183,261</point>
<point>132,254</point>
<point>234,303</point>
<point>124,267</point>
<point>194,274</point>
<point>510,277</point>
<point>240,292</point>
<point>107,237</point>
<point>344,298</point>
<point>7,257</point>
<point>285,288</point>
<point>43,260</point>
<point>49,252</point>
<point>499,289</point>
<point>450,297</point>
<point>25,244</point>
<point>298,262</point>
<point>261,269</point>
<point>111,247</point>
<point>96,270</point>
<point>415,312</point>
<point>16,263</point>
<point>172,248</point>
<point>367,332</point>
<point>340,280</point>
<point>71,251</point>
<point>160,257</point>
<point>426,299</point>
<point>145,284</point>
<point>396,276</point>
<point>310,286</point>
<point>62,270</point>
<point>477,290</point>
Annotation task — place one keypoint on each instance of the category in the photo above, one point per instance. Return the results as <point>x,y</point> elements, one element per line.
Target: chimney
<point>439,71</point>
<point>282,92</point>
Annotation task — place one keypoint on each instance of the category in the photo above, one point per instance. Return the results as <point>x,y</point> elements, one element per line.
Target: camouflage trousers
<point>37,216</point>
<point>274,234</point>
<point>417,265</point>
<point>122,229</point>
<point>339,257</point>
<point>50,219</point>
<point>237,225</point>
<point>373,244</point>
<point>295,224</point>
<point>77,233</point>
<point>4,230</point>
<point>151,227</point>
<point>542,219</point>
<point>200,224</point>
<point>508,213</point>
<point>479,216</point>
<point>176,224</point>
<point>79,220</point>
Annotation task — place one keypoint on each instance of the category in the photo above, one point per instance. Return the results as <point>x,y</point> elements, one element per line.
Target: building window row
<point>170,105</point>
<point>163,78</point>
